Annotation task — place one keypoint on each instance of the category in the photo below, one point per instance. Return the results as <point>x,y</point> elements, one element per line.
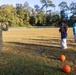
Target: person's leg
<point>63,43</point>
<point>75,37</point>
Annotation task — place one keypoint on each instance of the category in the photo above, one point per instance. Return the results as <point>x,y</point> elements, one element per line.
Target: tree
<point>19,9</point>
<point>27,7</point>
<point>72,7</point>
<point>37,8</point>
<point>6,11</point>
<point>33,12</point>
<point>47,3</point>
<point>63,8</point>
<point>40,19</point>
<point>33,20</point>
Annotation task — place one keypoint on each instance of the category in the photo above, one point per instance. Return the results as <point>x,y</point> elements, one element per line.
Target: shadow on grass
<point>51,52</point>
<point>47,41</point>
<point>19,64</point>
<point>55,41</point>
<point>40,49</point>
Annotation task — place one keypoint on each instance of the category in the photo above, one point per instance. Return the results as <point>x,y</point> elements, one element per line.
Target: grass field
<point>35,51</point>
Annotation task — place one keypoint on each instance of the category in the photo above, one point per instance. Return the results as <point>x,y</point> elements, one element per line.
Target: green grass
<point>31,53</point>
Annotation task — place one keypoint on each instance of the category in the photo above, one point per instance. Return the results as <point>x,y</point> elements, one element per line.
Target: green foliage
<point>40,19</point>
<point>33,20</point>
<point>62,5</point>
<point>15,16</point>
<point>24,15</point>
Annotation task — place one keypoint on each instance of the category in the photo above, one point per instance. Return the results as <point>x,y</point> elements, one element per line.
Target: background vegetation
<point>24,15</point>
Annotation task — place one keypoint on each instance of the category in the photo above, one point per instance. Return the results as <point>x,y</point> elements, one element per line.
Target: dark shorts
<point>63,36</point>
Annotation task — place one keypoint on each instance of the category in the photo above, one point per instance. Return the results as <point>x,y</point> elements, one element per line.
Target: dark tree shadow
<point>51,52</point>
<point>14,62</point>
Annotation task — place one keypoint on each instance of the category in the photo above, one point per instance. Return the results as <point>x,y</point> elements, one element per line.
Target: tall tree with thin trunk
<point>63,7</point>
<point>47,3</point>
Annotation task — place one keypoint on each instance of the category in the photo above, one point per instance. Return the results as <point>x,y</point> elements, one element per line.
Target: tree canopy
<point>25,15</point>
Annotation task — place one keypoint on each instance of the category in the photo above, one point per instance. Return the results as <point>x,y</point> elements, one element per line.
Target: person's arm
<point>60,29</point>
<point>5,28</point>
<point>73,30</point>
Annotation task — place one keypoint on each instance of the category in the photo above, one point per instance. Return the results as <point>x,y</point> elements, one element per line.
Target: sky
<point>33,2</point>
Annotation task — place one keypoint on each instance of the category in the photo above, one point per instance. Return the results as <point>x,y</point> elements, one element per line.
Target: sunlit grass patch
<point>36,51</point>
